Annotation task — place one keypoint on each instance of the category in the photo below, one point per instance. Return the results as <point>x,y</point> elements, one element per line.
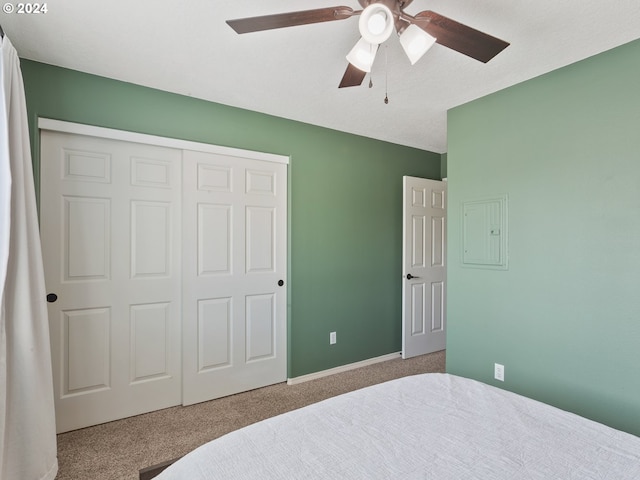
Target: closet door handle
<point>52,297</point>
<point>409,276</point>
<point>280,283</point>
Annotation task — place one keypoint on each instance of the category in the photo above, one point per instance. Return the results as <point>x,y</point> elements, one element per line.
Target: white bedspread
<point>432,426</point>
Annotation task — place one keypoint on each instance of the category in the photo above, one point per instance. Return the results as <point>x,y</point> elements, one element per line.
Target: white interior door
<point>234,333</point>
<point>424,269</point>
<point>110,227</point>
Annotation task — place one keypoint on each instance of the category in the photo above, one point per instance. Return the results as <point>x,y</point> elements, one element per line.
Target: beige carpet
<point>118,450</point>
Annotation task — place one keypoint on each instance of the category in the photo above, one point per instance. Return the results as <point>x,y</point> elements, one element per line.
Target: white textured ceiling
<point>185,47</point>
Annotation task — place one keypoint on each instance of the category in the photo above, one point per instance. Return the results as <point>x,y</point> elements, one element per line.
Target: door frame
<point>423,341</point>
<point>126,136</point>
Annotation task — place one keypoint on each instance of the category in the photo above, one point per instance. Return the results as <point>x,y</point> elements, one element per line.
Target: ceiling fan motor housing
<point>377,21</point>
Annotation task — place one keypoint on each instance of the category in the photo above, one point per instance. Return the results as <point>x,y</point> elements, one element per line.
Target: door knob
<point>52,297</point>
<point>280,283</point>
<point>409,276</point>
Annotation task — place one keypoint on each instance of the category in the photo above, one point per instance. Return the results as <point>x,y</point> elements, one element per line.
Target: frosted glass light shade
<point>376,23</point>
<point>415,42</point>
<point>362,55</point>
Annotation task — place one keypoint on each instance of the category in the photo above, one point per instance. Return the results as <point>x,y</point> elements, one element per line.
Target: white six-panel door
<point>167,284</point>
<point>234,275</point>
<point>424,268</point>
<point>110,226</point>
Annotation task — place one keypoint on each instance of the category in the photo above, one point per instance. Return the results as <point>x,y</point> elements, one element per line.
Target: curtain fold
<point>27,418</point>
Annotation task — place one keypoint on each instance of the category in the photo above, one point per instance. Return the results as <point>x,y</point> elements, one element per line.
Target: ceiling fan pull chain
<point>386,76</point>
<point>370,80</point>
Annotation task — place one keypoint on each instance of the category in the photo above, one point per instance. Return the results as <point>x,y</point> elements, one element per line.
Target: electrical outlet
<point>332,338</point>
<point>498,372</point>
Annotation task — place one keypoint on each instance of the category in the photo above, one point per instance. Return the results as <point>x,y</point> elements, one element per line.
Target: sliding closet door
<point>234,303</point>
<point>110,227</point>
<point>166,269</point>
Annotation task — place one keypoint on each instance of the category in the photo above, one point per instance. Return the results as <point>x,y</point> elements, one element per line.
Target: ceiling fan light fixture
<point>376,23</point>
<point>362,55</point>
<point>415,42</point>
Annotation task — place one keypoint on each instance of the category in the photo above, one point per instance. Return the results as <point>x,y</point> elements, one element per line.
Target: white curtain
<point>27,420</point>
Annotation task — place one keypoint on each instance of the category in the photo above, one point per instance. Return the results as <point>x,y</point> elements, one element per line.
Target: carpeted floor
<point>118,450</point>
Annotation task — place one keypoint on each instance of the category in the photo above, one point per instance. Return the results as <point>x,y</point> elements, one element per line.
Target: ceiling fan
<point>377,20</point>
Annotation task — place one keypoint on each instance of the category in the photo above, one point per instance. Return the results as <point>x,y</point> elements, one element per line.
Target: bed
<point>430,426</point>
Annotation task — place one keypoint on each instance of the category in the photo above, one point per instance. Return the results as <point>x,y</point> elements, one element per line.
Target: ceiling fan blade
<point>352,77</point>
<point>290,19</point>
<point>459,37</point>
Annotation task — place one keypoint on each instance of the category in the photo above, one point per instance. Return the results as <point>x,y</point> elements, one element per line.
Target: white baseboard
<point>342,368</point>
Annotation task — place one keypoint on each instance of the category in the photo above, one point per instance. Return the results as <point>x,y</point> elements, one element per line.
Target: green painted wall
<point>443,165</point>
<point>345,203</point>
<point>564,319</point>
